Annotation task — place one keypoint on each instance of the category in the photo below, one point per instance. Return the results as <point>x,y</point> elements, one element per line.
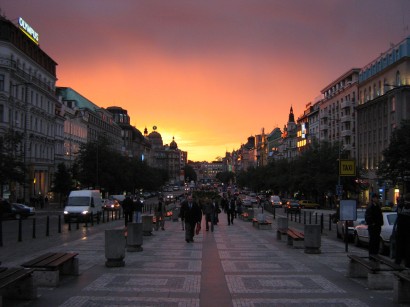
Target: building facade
<point>384,101</point>
<point>28,105</point>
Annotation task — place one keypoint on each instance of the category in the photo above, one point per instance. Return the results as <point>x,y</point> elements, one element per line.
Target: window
<point>398,81</point>
<point>1,82</point>
<point>393,104</point>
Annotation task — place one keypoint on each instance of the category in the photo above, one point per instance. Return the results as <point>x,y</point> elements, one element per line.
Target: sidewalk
<point>235,265</point>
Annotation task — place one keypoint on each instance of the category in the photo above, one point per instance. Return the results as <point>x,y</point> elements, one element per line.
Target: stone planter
<point>114,247</point>
<point>312,239</point>
<point>135,237</point>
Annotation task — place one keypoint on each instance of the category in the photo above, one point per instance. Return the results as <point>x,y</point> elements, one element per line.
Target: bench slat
<point>373,266</point>
<point>49,260</point>
<point>387,262</point>
<point>11,275</point>
<point>296,235</point>
<point>401,275</point>
<point>36,260</point>
<point>56,263</point>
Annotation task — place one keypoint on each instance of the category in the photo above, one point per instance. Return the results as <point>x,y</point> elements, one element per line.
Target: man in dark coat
<point>403,231</point>
<point>127,207</point>
<point>374,221</point>
<point>191,215</point>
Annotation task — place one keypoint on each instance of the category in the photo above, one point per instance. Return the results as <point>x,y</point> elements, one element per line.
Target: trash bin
<point>175,214</point>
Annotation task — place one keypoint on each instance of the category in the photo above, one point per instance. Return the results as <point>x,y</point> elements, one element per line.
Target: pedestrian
<point>127,205</point>
<point>230,211</point>
<point>159,212</point>
<point>374,221</point>
<point>191,215</point>
<point>403,231</point>
<point>211,213</point>
<point>138,210</point>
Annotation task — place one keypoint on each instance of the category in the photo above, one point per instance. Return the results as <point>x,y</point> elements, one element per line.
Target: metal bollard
<point>304,217</point>
<point>19,232</point>
<point>59,224</point>
<point>78,224</point>
<point>34,228</point>
<point>300,217</point>
<point>69,225</point>
<point>330,222</point>
<point>1,233</point>
<point>92,219</point>
<point>316,218</point>
<point>321,223</point>
<point>310,217</point>
<point>48,226</point>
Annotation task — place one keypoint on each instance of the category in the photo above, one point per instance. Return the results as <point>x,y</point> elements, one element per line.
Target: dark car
<point>111,205</point>
<point>14,211</point>
<point>292,206</point>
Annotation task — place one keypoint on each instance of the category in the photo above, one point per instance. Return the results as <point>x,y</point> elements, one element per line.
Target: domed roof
<point>173,144</point>
<point>156,139</point>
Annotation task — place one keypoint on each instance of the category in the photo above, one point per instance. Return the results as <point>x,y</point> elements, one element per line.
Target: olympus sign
<point>25,27</point>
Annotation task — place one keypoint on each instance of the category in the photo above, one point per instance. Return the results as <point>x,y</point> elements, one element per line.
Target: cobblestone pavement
<point>235,265</point>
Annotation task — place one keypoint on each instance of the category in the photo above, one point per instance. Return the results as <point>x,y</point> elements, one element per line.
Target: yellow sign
<point>29,31</point>
<point>347,168</point>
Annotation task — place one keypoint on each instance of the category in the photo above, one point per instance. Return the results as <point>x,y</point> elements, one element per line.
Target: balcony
<point>347,147</point>
<point>346,104</point>
<point>346,118</point>
<point>324,127</point>
<point>345,133</point>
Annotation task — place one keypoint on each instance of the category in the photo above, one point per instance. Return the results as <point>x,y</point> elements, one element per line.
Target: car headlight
<point>84,212</point>
<point>65,212</point>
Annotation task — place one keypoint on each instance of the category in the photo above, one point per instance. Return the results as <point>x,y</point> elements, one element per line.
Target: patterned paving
<point>258,271</point>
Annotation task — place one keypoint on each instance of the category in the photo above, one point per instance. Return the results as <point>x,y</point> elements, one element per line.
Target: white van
<point>275,201</point>
<point>82,204</point>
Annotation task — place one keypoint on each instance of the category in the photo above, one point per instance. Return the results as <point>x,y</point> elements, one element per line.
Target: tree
<point>12,168</point>
<point>396,163</point>
<point>189,173</point>
<point>63,182</point>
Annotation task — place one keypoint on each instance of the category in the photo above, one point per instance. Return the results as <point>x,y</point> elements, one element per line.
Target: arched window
<point>398,80</point>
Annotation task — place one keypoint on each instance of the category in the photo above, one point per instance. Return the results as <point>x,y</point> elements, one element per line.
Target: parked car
<point>14,211</point>
<point>292,206</point>
<point>32,210</point>
<point>361,234</point>
<point>308,204</point>
<point>111,205</point>
<point>340,225</point>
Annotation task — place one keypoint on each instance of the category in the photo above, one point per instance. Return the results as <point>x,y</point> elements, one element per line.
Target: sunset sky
<point>211,73</point>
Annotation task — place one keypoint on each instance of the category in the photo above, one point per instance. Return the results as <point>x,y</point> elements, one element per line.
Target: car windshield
<point>78,201</point>
<point>360,214</point>
<point>391,218</point>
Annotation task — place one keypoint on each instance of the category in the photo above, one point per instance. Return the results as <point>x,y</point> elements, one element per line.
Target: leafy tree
<point>12,168</point>
<point>190,173</point>
<point>396,163</point>
<point>63,182</point>
<point>225,177</point>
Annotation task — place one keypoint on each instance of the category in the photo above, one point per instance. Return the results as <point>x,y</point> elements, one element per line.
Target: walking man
<point>374,220</point>
<point>191,215</point>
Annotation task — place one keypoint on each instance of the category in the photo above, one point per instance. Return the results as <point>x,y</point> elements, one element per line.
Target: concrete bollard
<point>135,237</point>
<point>147,225</point>
<point>312,239</point>
<point>282,223</point>
<point>114,247</point>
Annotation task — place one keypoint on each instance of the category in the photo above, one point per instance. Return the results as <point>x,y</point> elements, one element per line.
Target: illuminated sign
<point>347,168</point>
<point>29,31</point>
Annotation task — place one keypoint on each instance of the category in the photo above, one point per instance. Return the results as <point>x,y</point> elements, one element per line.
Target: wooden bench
<point>48,267</point>
<point>264,225</point>
<point>401,287</point>
<point>378,271</point>
<point>17,283</point>
<point>295,238</point>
